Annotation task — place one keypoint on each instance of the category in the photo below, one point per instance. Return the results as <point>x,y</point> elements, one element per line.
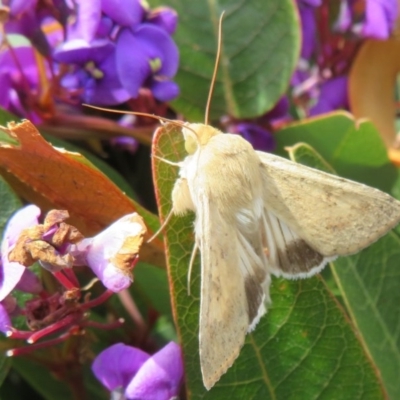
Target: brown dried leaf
<point>56,178</point>
<point>372,82</point>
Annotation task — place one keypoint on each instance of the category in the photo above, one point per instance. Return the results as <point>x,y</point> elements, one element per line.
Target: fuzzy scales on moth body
<point>256,215</point>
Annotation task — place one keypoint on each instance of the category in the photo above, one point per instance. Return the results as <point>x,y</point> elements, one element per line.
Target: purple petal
<point>133,65</point>
<point>159,45</point>
<point>260,138</point>
<point>164,90</point>
<point>311,3</point>
<point>280,110</point>
<point>344,19</point>
<point>26,24</point>
<point>78,51</point>
<point>87,20</point>
<point>11,272</point>
<point>333,96</point>
<point>165,18</point>
<point>106,90</point>
<point>24,218</point>
<point>105,27</point>
<point>102,252</point>
<point>54,36</point>
<point>126,143</point>
<point>308,28</point>
<point>135,52</point>
<point>20,6</point>
<point>116,366</point>
<point>380,18</point>
<point>160,376</point>
<point>5,84</point>
<point>5,322</point>
<point>29,283</point>
<point>127,13</point>
<point>25,56</point>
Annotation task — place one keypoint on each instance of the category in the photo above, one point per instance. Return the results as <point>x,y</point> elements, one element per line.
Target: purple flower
<point>164,17</point>
<point>87,20</point>
<point>96,71</point>
<point>279,111</point>
<point>333,95</point>
<point>380,18</point>
<point>19,79</point>
<point>147,56</point>
<point>18,7</point>
<point>126,13</point>
<point>8,308</point>
<point>112,253</point>
<point>308,26</point>
<point>115,52</point>
<point>11,273</point>
<point>377,22</point>
<point>260,138</point>
<point>126,369</point>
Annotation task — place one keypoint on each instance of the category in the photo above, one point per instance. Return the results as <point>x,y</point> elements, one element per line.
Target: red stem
<point>68,320</point>
<point>99,325</point>
<point>97,301</point>
<point>64,280</point>
<point>70,274</point>
<point>27,349</point>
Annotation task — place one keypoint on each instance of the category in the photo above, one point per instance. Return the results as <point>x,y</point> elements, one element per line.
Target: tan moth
<point>259,215</point>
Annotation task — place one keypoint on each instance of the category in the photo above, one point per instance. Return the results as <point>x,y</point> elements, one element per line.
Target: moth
<point>259,215</point>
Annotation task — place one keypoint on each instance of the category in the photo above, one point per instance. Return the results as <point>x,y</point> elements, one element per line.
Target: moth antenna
<point>192,258</point>
<point>160,119</point>
<point>214,77</point>
<point>161,228</point>
<point>174,164</point>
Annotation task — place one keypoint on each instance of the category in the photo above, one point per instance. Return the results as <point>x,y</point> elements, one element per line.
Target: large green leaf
<point>368,281</point>
<point>354,149</point>
<point>260,49</point>
<point>303,348</point>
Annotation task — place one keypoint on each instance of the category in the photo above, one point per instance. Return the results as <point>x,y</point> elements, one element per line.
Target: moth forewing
<point>333,215</point>
<point>224,182</point>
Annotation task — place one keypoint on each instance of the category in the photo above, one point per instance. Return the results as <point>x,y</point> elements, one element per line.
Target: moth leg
<point>164,224</point>
<point>181,198</point>
<point>192,258</point>
<point>174,164</point>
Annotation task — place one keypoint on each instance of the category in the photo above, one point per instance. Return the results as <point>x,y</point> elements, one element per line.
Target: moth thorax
<point>203,135</point>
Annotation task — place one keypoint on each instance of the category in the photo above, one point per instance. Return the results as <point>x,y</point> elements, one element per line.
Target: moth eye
<point>190,144</point>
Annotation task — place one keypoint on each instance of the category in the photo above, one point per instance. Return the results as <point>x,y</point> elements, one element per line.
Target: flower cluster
<point>100,52</point>
<point>115,49</point>
<point>319,83</point>
<point>59,247</point>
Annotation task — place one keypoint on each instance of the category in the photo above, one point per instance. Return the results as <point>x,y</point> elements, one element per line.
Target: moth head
<point>197,135</point>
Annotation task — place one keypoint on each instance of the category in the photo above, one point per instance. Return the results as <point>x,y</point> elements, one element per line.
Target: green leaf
<point>306,155</point>
<point>151,285</point>
<point>9,204</point>
<point>354,150</point>
<point>5,364</point>
<point>51,388</point>
<point>41,379</point>
<point>303,348</point>
<point>260,49</point>
<point>368,281</point>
